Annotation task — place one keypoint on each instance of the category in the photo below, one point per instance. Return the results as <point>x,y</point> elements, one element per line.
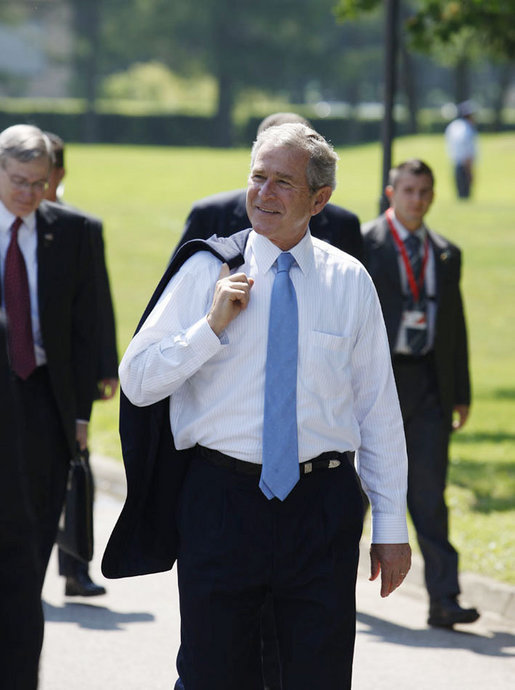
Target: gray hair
<point>25,143</point>
<point>321,168</point>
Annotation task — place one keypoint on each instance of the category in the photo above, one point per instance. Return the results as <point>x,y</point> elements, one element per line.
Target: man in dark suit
<point>21,629</point>
<point>49,295</point>
<point>417,276</point>
<point>225,213</point>
<point>78,580</point>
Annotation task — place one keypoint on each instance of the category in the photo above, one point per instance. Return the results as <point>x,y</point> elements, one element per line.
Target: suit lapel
<point>46,257</point>
<point>441,256</point>
<point>388,256</point>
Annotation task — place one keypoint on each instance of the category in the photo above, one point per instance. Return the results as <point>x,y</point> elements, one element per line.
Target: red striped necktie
<point>17,306</point>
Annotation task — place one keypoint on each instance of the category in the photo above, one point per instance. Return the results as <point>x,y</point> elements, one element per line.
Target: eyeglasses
<point>24,185</point>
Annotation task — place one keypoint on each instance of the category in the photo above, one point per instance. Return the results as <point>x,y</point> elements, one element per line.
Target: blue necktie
<point>280,470</point>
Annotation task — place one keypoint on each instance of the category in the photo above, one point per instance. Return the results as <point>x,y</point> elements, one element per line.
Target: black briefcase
<point>75,535</point>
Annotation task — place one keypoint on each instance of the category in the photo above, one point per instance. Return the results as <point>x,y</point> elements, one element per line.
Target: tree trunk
<point>223,130</point>
<point>462,80</point>
<point>409,86</point>
<point>504,80</point>
<point>407,75</point>
<point>86,21</point>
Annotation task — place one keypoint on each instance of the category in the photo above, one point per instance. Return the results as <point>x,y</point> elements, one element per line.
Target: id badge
<point>414,319</point>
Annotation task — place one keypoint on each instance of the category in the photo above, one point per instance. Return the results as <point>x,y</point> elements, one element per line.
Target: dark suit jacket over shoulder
<point>144,539</point>
<point>450,347</point>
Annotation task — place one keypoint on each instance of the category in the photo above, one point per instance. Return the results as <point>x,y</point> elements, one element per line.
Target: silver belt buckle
<point>308,467</point>
<point>334,463</point>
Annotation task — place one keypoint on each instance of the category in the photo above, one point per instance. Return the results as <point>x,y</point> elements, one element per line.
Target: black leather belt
<point>325,461</point>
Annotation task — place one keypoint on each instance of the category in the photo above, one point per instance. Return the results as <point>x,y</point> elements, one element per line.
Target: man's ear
<point>388,190</point>
<point>321,198</point>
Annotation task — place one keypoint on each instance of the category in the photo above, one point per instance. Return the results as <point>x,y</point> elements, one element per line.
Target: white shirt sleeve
<point>176,339</point>
<point>382,457</point>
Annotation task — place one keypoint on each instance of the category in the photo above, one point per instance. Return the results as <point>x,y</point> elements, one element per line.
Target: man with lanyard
<point>273,372</point>
<point>417,275</point>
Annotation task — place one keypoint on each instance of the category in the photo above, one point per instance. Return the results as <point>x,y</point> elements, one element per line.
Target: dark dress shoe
<point>82,586</point>
<point>446,612</point>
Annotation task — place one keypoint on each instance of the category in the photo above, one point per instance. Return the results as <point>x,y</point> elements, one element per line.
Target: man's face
<point>279,201</point>
<point>54,180</point>
<point>22,185</point>
<point>411,198</point>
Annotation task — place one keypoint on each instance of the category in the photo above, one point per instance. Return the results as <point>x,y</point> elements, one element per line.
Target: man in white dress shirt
<point>205,345</point>
<point>461,141</point>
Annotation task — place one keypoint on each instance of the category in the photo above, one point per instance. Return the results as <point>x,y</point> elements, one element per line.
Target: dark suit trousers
<point>70,566</point>
<point>46,459</point>
<point>21,615</point>
<point>427,438</point>
<point>237,548</point>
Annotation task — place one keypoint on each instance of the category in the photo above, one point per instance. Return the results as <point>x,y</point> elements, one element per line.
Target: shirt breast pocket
<point>326,364</point>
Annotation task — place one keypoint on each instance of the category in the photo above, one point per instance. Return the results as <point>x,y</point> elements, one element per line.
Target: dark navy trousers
<point>427,440</point>
<point>237,548</point>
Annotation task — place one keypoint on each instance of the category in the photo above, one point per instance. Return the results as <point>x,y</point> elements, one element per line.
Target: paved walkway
<point>128,639</point>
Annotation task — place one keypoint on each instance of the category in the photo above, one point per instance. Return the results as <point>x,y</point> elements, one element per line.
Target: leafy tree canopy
<point>443,21</point>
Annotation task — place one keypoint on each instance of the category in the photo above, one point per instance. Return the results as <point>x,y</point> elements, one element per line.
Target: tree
<point>469,30</point>
<point>491,21</point>
<point>243,44</point>
<point>455,32</point>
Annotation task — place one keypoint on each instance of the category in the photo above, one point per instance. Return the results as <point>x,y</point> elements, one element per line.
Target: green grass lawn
<point>144,195</point>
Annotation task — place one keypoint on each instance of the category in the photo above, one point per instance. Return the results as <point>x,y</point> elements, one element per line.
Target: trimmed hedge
<point>107,128</point>
<point>186,130</point>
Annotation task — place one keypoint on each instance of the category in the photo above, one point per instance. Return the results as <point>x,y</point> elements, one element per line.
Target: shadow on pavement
<point>92,617</point>
<point>493,644</point>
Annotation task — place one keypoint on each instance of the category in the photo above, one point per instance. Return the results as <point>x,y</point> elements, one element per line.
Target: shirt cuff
<point>389,529</point>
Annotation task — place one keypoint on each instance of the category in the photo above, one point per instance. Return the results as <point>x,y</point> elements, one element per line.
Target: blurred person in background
<point>461,140</point>
<point>48,293</point>
<point>78,580</point>
<point>21,614</point>
<point>417,276</point>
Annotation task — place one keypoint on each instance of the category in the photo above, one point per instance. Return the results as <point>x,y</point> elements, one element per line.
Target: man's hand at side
<point>107,388</point>
<point>232,294</point>
<point>393,561</point>
<point>81,433</point>
<point>461,413</point>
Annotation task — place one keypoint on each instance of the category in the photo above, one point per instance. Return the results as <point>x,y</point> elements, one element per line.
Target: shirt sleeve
<point>176,339</point>
<point>381,459</point>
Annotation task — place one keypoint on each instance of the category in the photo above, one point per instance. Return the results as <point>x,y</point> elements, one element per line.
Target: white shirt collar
<point>7,219</point>
<point>421,232</point>
<point>266,252</point>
